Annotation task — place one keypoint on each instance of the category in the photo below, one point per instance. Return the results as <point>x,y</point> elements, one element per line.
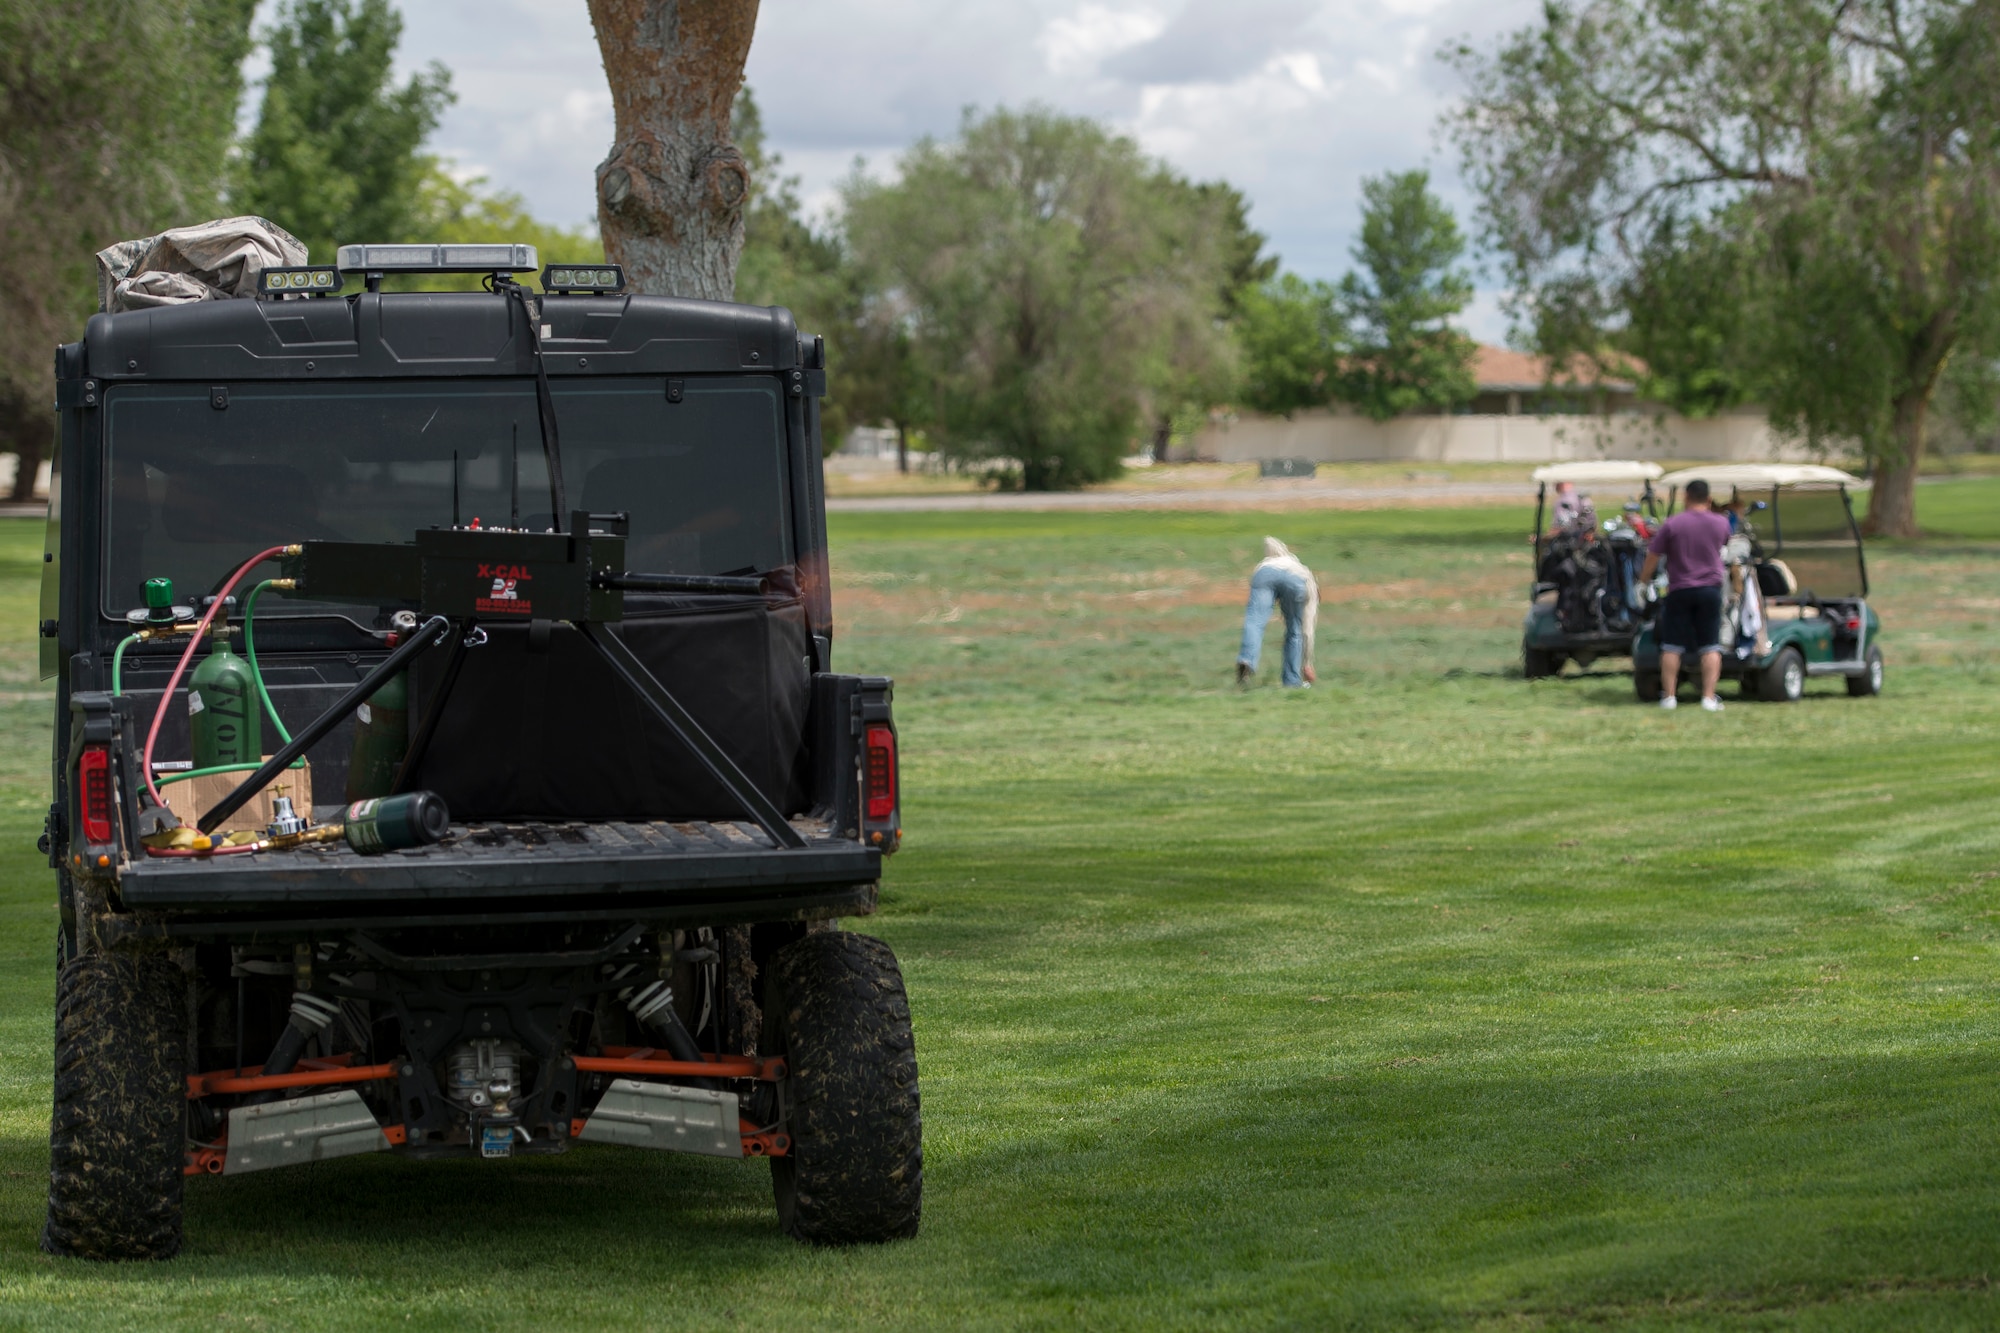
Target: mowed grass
<point>1430,997</point>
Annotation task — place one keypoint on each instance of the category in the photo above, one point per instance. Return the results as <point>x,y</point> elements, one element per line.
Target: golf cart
<point>1584,603</point>
<point>1796,601</point>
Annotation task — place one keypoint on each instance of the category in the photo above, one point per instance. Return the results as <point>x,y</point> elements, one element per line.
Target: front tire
<point>1869,682</point>
<point>835,1009</point>
<point>1784,681</point>
<point>117,1139</point>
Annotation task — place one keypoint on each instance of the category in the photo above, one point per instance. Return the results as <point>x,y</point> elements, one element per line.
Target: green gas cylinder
<point>223,712</point>
<point>381,738</point>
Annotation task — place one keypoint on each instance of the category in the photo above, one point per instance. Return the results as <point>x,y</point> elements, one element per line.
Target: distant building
<point>1518,415</point>
<point>1513,384</point>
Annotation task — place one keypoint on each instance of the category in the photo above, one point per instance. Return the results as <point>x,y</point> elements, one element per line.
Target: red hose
<point>194,641</point>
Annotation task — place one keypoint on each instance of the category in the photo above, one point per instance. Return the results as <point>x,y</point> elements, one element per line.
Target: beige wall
<point>1327,437</point>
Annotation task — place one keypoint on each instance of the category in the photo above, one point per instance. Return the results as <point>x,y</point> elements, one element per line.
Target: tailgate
<point>512,859</point>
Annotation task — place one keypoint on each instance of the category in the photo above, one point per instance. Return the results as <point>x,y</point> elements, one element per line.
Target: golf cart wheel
<point>1539,662</point>
<point>1646,684</point>
<point>117,1139</point>
<point>1870,680</point>
<point>1784,681</point>
<point>836,1011</point>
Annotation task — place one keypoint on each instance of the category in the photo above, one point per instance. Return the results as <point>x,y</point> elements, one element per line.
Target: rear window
<point>196,490</point>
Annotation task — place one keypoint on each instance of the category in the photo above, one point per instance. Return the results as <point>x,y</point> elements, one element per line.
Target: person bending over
<point>1281,578</point>
<point>1691,617</point>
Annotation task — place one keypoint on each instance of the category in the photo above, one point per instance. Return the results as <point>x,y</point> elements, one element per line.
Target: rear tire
<point>1646,684</point>
<point>117,1139</point>
<point>835,1009</point>
<point>1784,681</point>
<point>1869,682</point>
<point>1539,662</point>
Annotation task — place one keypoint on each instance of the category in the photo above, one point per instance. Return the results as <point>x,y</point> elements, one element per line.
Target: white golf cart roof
<point>1764,474</point>
<point>1602,471</point>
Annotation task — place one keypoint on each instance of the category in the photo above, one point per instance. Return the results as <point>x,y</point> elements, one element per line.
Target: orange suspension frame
<point>634,1061</point>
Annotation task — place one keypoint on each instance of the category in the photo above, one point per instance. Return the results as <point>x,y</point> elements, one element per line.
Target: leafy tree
<point>335,155</point>
<point>1293,339</point>
<point>1840,158</point>
<point>115,122</point>
<point>1050,278</point>
<point>788,261</point>
<point>1406,356</point>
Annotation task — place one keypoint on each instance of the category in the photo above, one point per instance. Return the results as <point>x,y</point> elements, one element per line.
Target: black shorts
<point>1691,620</point>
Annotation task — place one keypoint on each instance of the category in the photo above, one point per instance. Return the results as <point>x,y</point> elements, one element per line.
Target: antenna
<point>514,481</point>
<point>454,488</point>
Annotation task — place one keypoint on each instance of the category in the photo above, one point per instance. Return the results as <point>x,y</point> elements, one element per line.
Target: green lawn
<point>1430,997</point>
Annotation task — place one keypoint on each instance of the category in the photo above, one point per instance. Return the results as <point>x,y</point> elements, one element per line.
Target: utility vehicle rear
<point>498,627</point>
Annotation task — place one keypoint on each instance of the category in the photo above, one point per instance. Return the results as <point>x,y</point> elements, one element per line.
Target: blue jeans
<point>1288,591</point>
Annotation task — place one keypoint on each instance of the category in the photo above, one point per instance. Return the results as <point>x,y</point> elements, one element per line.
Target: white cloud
<point>1079,42</point>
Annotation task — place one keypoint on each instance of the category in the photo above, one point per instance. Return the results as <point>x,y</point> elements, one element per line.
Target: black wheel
<point>117,1140</point>
<point>835,1009</point>
<point>1784,681</point>
<point>1646,684</point>
<point>1746,684</point>
<point>1539,662</point>
<point>1870,679</point>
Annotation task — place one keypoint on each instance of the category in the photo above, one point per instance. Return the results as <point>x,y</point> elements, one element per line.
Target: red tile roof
<point>1503,370</point>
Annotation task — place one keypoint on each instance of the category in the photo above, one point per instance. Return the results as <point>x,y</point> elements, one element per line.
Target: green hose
<point>250,651</point>
<point>118,662</point>
<point>164,778</point>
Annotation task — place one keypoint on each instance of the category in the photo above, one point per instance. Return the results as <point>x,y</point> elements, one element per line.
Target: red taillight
<point>1853,625</point>
<point>94,770</point>
<point>881,773</point>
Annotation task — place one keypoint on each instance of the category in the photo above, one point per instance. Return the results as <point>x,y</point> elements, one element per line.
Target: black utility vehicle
<point>537,588</point>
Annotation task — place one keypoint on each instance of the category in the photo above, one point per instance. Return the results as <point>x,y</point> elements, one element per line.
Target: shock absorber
<point>653,1005</point>
<point>311,1015</point>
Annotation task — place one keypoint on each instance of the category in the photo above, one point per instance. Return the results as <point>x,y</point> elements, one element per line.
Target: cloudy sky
<point>1291,101</point>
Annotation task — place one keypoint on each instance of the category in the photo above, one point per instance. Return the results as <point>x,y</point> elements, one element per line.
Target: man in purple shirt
<point>1691,616</point>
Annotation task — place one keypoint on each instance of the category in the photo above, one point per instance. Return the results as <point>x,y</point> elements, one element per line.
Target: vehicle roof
<point>1764,474</point>
<point>1606,470</point>
<point>395,334</point>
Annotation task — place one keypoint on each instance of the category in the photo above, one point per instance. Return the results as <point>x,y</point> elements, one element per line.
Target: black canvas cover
<point>555,733</point>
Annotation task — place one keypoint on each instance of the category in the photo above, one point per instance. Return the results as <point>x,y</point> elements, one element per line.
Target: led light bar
<point>583,278</point>
<point>298,282</point>
<point>438,259</point>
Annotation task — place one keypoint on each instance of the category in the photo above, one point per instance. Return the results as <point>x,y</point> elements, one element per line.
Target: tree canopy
<point>1797,202</point>
<point>335,156</point>
<point>1053,283</point>
<point>1406,356</point>
<point>115,122</point>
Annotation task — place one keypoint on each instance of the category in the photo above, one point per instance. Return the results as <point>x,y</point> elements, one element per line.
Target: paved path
<point>1265,495</point>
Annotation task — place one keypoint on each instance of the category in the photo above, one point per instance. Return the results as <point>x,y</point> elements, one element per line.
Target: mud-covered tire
<point>835,1009</point>
<point>117,1139</point>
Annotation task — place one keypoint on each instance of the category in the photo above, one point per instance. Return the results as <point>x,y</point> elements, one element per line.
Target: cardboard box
<point>192,799</point>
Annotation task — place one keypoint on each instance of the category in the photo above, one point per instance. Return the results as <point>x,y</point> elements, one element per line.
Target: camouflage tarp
<point>210,261</point>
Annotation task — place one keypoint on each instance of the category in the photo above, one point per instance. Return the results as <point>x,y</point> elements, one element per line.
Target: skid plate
<point>304,1129</point>
<point>657,1115</point>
